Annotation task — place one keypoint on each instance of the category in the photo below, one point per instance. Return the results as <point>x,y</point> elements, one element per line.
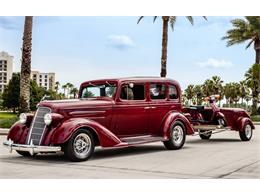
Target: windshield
<point>102,90</point>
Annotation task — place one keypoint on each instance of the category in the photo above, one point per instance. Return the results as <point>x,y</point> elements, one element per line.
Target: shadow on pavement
<point>212,140</point>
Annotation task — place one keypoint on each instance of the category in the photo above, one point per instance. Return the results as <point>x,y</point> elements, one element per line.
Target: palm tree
<point>253,82</point>
<point>64,87</point>
<point>198,93</point>
<point>57,85</point>
<point>166,21</point>
<point>74,91</point>
<point>247,29</point>
<point>244,91</point>
<point>26,65</point>
<point>207,87</point>
<point>70,87</point>
<point>189,92</point>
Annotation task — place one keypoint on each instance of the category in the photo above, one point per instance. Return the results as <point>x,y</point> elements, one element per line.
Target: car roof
<point>138,78</point>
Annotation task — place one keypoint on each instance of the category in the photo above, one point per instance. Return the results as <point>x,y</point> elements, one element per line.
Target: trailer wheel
<point>204,135</point>
<point>80,146</point>
<point>246,133</point>
<point>177,137</point>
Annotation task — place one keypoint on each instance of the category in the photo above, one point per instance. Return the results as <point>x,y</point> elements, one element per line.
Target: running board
<point>141,139</point>
<point>208,127</point>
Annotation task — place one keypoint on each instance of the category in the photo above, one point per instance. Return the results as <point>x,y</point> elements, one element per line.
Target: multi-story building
<point>45,80</point>
<point>6,69</point>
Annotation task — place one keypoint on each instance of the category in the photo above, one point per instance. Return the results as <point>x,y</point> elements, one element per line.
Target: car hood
<point>76,103</point>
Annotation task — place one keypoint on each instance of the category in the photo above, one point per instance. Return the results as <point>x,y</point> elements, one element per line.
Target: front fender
<point>18,133</point>
<point>63,133</point>
<point>241,121</point>
<point>171,118</point>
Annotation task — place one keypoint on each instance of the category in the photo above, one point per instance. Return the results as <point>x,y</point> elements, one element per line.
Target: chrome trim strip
<point>32,149</point>
<point>87,112</point>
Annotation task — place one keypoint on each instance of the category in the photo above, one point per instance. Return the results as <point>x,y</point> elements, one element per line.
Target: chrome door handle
<point>153,107</point>
<point>147,107</point>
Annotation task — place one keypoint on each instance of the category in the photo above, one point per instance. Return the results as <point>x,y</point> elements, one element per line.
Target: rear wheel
<point>246,133</point>
<point>177,137</point>
<point>205,134</point>
<point>80,146</point>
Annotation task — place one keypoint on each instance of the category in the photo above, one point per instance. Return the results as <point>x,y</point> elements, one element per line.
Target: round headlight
<point>47,119</point>
<point>22,118</point>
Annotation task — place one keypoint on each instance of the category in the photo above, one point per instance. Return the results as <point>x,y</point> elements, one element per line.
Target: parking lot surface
<point>223,156</point>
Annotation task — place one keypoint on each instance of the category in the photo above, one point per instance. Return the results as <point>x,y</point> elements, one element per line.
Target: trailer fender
<point>241,121</point>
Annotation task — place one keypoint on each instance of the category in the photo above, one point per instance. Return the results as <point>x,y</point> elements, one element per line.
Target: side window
<point>132,91</point>
<point>157,91</point>
<point>173,94</point>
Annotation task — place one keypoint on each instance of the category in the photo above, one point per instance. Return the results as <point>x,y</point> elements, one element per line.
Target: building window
<point>40,76</point>
<point>46,76</point>
<point>40,80</point>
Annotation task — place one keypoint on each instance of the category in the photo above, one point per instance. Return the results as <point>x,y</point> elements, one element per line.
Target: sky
<point>85,48</point>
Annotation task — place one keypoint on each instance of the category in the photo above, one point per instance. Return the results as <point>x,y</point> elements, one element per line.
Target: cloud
<point>215,63</point>
<point>10,22</point>
<point>120,42</point>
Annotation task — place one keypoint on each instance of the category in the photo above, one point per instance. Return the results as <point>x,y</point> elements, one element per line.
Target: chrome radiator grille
<point>38,126</point>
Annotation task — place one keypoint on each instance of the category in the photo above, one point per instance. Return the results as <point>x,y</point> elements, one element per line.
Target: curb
<point>4,131</point>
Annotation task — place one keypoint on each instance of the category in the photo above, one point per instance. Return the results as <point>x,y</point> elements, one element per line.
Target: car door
<point>130,113</point>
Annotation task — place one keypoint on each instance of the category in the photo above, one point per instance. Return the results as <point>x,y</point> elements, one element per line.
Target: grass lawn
<point>7,119</point>
<point>255,118</point>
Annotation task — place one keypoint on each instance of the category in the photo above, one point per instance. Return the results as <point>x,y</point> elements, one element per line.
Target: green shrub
<point>8,122</point>
<point>255,118</point>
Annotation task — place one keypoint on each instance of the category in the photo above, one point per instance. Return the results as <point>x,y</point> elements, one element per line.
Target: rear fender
<point>63,133</point>
<point>241,121</point>
<point>171,118</point>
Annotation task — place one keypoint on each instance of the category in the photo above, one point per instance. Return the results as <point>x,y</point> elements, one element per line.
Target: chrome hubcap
<point>248,131</point>
<point>177,134</point>
<point>82,145</point>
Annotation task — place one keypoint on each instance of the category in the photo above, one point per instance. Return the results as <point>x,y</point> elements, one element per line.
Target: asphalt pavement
<point>223,156</point>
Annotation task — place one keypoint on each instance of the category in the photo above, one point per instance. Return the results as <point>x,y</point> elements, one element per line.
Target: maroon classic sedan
<point>108,113</point>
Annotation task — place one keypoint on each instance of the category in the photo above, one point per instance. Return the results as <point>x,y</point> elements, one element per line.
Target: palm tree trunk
<point>26,65</point>
<point>257,51</point>
<point>164,45</point>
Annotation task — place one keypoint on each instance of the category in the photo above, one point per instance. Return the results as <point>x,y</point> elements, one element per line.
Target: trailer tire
<point>205,135</point>
<point>246,133</point>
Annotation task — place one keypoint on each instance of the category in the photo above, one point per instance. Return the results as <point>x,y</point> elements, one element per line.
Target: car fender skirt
<point>65,131</point>
<point>241,121</point>
<point>171,118</point>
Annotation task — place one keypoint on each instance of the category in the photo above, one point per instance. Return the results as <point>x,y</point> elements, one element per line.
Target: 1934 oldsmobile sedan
<point>108,113</point>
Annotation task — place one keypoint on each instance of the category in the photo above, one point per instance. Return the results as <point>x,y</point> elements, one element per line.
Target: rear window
<point>132,91</point>
<point>157,91</point>
<point>173,94</point>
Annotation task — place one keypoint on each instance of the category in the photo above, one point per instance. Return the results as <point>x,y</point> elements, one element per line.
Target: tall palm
<point>247,29</point>
<point>26,65</point>
<point>166,21</point>
<point>253,82</point>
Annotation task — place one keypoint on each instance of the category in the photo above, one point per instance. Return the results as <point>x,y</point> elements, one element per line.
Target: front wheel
<point>80,146</point>
<point>246,133</point>
<point>177,137</point>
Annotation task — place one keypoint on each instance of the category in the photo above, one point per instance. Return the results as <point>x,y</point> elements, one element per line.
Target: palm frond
<point>172,21</point>
<point>154,18</point>
<point>249,44</point>
<point>190,18</point>
<point>139,19</point>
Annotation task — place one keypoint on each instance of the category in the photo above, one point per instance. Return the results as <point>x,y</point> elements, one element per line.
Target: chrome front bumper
<point>32,149</point>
